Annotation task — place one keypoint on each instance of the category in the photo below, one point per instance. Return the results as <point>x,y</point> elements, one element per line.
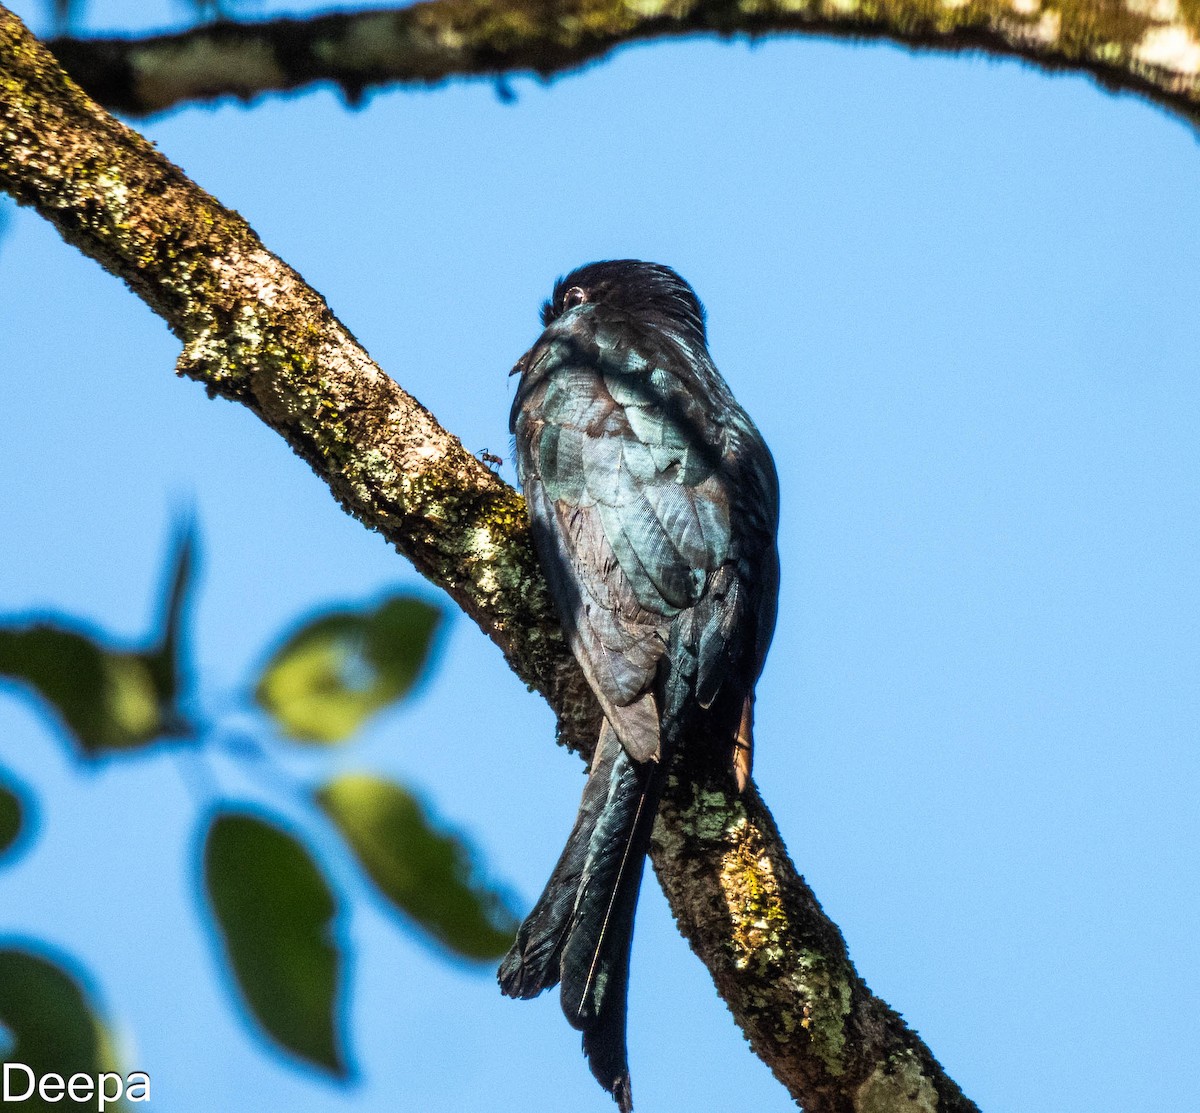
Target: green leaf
<point>106,699</point>
<point>168,661</point>
<point>334,673</point>
<point>275,914</point>
<point>427,873</point>
<point>53,1024</point>
<point>12,815</point>
<point>10,819</point>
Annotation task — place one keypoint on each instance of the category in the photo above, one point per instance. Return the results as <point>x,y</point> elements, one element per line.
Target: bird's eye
<point>573,297</point>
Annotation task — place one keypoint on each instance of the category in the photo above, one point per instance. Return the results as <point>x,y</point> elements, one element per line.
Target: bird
<point>654,505</point>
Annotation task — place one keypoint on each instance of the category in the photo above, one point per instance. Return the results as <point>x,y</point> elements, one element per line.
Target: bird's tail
<point>581,928</point>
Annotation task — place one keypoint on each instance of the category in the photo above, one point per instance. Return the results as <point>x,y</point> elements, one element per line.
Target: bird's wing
<point>631,514</point>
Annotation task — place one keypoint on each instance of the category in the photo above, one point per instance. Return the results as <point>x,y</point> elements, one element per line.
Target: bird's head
<point>643,290</point>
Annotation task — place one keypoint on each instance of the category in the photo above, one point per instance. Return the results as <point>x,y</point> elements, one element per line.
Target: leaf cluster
<point>274,911</point>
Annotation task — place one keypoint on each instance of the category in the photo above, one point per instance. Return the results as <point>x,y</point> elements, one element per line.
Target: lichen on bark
<point>1151,47</point>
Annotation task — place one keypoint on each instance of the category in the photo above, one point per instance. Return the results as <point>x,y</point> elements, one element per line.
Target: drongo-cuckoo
<point>654,505</point>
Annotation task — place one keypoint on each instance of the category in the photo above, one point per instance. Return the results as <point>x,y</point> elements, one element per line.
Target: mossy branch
<point>1144,46</point>
<point>254,332</point>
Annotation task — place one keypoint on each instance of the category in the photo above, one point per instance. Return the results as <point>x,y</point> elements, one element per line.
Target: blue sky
<point>957,296</point>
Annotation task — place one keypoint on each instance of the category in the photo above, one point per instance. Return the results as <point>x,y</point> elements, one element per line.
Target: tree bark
<point>254,332</point>
<point>1150,47</point>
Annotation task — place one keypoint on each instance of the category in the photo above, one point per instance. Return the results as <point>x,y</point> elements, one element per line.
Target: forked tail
<point>581,928</point>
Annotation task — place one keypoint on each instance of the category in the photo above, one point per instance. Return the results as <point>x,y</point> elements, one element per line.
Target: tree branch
<point>252,331</point>
<point>1144,46</point>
